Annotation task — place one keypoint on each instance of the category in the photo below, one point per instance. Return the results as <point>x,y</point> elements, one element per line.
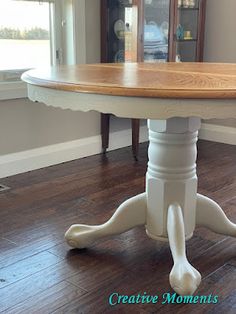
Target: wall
<point>220,41</point>
<point>25,125</point>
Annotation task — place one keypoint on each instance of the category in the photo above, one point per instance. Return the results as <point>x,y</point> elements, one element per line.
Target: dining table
<point>174,98</point>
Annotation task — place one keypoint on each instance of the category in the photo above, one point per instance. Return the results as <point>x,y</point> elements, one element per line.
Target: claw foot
<point>184,278</point>
<point>81,236</point>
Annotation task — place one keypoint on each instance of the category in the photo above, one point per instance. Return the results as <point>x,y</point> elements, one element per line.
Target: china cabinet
<point>150,31</point>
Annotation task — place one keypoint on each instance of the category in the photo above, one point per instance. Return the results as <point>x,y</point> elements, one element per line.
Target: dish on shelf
<point>152,23</point>
<point>180,32</point>
<point>165,28</point>
<point>153,34</point>
<point>119,29</point>
<point>124,2</point>
<point>119,56</point>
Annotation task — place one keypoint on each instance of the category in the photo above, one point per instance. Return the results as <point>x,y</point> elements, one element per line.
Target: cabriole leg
<point>130,214</point>
<point>184,278</point>
<point>210,215</point>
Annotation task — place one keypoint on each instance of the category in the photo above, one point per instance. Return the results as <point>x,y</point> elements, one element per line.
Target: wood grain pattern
<point>38,272</point>
<point>169,80</point>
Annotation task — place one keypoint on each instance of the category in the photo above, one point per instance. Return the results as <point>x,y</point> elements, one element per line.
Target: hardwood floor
<point>40,274</point>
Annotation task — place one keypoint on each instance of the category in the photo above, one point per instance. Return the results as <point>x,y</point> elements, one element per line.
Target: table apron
<point>134,107</point>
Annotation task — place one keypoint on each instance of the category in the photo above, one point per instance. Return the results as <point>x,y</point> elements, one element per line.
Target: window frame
<point>18,89</point>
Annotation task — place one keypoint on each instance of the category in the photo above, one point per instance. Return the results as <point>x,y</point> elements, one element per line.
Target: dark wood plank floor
<point>40,274</point>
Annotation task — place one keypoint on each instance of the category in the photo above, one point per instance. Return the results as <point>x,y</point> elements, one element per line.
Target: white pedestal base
<point>170,208</point>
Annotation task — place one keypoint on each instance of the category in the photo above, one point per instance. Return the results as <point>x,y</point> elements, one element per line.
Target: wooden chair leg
<point>105,125</point>
<point>135,137</point>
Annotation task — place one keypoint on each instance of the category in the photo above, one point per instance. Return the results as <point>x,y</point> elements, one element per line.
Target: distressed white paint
<point>171,174</point>
<point>135,107</point>
<point>130,214</point>
<point>210,215</point>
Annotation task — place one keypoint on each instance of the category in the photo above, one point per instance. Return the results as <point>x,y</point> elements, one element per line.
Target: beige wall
<point>93,38</point>
<point>220,40</point>
<point>26,125</point>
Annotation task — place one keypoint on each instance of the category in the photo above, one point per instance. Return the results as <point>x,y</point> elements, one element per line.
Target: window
<point>35,33</point>
<point>25,37</point>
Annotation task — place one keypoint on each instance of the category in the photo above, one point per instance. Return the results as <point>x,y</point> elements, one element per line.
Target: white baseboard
<point>33,159</point>
<point>218,133</point>
<point>37,158</point>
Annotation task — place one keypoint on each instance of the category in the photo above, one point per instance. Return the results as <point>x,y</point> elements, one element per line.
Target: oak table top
<point>166,89</point>
<point>167,80</point>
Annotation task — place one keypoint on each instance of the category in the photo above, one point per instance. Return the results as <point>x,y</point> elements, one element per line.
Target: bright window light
<point>24,36</point>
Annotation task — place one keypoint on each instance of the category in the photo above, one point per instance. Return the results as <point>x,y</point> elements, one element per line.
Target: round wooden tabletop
<point>159,80</point>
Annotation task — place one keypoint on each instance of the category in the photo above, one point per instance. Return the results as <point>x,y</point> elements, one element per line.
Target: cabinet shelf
<point>186,40</point>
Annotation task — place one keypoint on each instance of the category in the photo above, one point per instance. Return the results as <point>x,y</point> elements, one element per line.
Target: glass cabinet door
<point>153,30</point>
<point>187,30</point>
<point>122,31</point>
<point>156,30</point>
